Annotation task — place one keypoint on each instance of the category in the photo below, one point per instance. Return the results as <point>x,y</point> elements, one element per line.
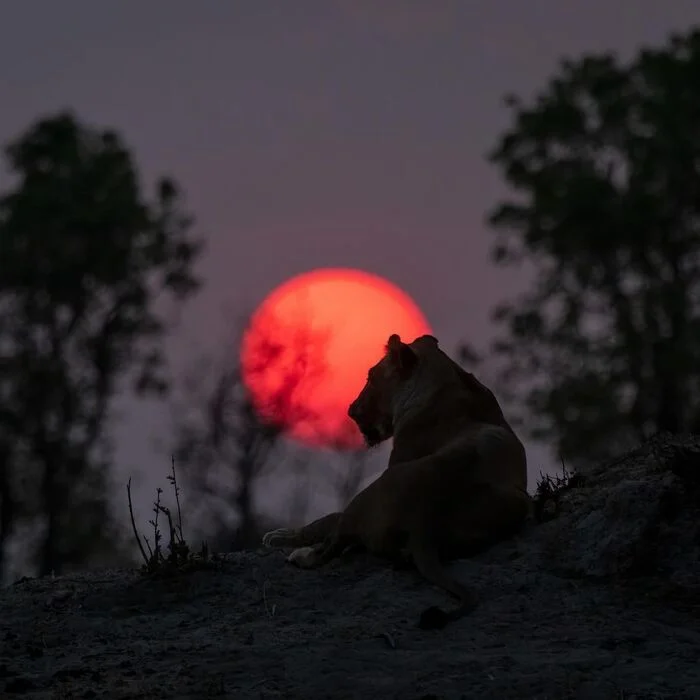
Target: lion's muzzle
<point>372,434</point>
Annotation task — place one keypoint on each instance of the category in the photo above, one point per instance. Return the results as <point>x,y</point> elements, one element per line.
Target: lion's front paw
<point>278,537</point>
<point>304,557</point>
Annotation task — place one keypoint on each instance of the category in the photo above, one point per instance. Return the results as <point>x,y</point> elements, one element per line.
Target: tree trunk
<point>7,511</point>
<point>48,562</point>
<point>51,503</point>
<point>669,395</point>
<point>245,532</point>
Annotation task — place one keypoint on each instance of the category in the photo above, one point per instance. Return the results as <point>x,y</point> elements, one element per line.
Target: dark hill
<point>601,601</point>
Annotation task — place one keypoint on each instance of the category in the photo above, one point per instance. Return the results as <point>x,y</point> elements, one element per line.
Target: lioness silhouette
<point>456,482</point>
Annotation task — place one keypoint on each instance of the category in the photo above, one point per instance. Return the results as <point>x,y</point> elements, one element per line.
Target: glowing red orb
<point>308,346</point>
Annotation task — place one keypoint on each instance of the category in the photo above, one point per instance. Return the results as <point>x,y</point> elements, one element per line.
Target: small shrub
<point>549,490</point>
<point>179,558</point>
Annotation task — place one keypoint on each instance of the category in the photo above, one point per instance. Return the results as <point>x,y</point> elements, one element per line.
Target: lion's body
<point>456,480</point>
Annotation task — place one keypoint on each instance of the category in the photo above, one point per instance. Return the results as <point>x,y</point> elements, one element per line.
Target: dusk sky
<point>315,133</point>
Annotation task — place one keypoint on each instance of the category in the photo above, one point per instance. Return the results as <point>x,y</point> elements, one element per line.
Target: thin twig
<point>133,522</point>
<point>156,532</point>
<point>171,529</point>
<point>177,499</point>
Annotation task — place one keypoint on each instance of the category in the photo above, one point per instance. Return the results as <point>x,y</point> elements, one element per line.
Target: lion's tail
<point>428,563</point>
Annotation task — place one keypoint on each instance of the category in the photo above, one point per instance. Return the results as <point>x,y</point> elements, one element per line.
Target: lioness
<point>456,480</point>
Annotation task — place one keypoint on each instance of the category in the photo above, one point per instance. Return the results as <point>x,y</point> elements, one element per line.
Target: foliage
<point>224,438</point>
<point>548,492</point>
<point>84,260</point>
<point>180,557</point>
<point>604,347</point>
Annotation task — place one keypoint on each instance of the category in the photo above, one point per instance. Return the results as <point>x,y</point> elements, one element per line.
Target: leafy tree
<point>85,259</point>
<point>225,440</point>
<point>224,437</point>
<point>604,347</point>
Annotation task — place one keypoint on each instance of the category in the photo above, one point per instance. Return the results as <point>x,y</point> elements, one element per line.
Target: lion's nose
<point>352,411</point>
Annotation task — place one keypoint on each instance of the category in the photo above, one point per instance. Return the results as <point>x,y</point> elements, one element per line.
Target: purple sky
<point>315,132</point>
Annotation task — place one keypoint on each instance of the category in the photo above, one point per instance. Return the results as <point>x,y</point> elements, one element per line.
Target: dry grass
<point>549,490</point>
<point>177,557</point>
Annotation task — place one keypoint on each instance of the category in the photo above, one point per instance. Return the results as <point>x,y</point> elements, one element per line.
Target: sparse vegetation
<point>549,490</point>
<point>180,558</point>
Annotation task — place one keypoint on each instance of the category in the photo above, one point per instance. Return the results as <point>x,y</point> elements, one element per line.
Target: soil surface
<point>602,601</point>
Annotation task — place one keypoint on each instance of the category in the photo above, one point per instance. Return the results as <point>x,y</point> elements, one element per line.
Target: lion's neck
<point>425,421</point>
<point>425,427</point>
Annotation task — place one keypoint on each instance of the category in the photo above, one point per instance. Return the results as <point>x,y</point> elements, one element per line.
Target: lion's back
<point>458,419</point>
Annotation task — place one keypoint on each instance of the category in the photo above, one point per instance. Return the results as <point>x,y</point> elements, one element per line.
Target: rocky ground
<point>601,601</point>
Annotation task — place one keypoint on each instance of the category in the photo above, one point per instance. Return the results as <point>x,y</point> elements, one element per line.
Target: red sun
<point>308,347</point>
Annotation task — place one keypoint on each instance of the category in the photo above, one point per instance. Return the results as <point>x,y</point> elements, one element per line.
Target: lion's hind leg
<point>307,536</point>
<point>487,514</point>
<point>428,563</point>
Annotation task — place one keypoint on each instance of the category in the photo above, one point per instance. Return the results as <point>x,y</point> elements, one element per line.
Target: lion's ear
<point>428,339</point>
<point>401,355</point>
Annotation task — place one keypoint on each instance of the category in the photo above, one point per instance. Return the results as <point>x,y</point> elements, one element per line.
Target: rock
<point>634,517</point>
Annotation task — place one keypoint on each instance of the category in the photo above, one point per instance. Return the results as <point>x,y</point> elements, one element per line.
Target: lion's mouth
<point>372,437</point>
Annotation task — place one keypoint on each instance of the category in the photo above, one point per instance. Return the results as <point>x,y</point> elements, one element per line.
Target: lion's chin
<point>372,437</point>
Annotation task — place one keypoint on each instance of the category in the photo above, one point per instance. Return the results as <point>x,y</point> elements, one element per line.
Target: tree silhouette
<point>84,258</point>
<point>604,347</point>
<point>224,436</point>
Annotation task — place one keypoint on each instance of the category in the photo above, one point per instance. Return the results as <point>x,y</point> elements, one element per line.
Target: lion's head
<point>389,384</point>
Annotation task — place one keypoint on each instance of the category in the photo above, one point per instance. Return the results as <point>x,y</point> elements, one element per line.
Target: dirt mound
<point>639,515</point>
<point>601,601</point>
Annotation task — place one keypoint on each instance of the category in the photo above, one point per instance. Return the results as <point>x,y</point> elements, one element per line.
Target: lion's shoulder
<point>450,413</point>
